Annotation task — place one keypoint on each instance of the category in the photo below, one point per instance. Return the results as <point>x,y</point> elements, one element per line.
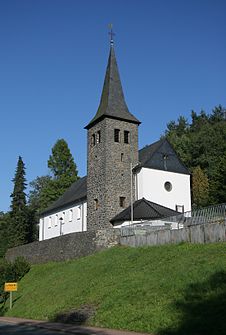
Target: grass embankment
<point>178,289</point>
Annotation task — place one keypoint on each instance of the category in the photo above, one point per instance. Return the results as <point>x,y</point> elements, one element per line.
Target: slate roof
<point>150,156</point>
<point>112,103</point>
<point>76,192</point>
<point>145,210</point>
<point>161,156</point>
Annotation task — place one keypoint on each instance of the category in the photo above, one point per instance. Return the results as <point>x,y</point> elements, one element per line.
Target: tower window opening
<point>122,157</point>
<point>96,204</point>
<point>98,136</point>
<point>122,202</point>
<point>93,140</point>
<point>117,135</point>
<point>126,136</point>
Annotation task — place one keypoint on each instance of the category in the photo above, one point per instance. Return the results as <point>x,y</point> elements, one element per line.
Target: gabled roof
<point>75,193</point>
<point>161,156</point>
<point>150,156</point>
<point>144,210</point>
<point>112,103</point>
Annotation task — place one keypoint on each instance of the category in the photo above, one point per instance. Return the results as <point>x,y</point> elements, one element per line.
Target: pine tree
<point>18,196</point>
<point>19,229</point>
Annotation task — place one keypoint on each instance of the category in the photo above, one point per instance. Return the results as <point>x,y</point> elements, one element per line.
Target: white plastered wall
<point>74,219</point>
<point>150,185</point>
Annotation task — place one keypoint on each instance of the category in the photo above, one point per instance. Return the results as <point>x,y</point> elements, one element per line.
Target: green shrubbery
<point>11,272</point>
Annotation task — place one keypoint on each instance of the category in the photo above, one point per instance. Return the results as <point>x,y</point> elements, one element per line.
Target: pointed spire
<point>112,103</point>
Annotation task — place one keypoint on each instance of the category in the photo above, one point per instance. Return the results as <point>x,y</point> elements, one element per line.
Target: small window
<point>63,217</point>
<point>79,212</point>
<point>168,186</point>
<point>98,136</point>
<point>180,208</point>
<point>165,159</point>
<point>122,157</point>
<point>50,222</point>
<point>117,135</point>
<point>126,136</point>
<point>71,215</point>
<point>93,140</point>
<point>96,204</point>
<point>122,202</point>
<point>56,220</point>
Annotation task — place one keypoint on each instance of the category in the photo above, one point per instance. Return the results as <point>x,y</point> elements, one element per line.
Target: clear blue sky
<point>53,55</point>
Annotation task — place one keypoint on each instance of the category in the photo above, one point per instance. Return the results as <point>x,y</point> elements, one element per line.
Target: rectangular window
<point>50,222</point>
<point>70,215</point>
<point>122,157</point>
<point>98,136</point>
<point>56,219</point>
<point>79,212</point>
<point>180,208</point>
<point>93,140</point>
<point>122,202</point>
<point>126,136</point>
<point>117,135</point>
<point>96,203</point>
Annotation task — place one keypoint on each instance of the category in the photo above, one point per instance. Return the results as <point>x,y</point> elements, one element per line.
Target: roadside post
<point>10,287</point>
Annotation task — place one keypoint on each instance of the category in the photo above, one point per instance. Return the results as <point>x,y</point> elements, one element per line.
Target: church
<point>123,184</point>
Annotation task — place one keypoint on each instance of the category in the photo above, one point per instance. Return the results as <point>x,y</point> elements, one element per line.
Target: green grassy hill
<point>172,289</point>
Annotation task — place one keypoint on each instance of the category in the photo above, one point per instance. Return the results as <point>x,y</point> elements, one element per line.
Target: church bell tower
<point>112,139</point>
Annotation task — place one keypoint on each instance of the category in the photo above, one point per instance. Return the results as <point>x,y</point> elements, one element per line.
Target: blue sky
<point>53,55</point>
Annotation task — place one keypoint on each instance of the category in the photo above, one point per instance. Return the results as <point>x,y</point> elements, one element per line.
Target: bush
<point>20,268</point>
<point>11,272</point>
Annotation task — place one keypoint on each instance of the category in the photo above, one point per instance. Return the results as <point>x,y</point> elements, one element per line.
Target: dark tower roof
<point>112,103</point>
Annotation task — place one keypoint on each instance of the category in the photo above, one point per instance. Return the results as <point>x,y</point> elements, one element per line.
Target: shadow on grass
<point>203,308</point>
<point>75,316</point>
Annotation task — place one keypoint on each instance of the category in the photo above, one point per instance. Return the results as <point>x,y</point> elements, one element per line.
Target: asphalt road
<point>13,329</point>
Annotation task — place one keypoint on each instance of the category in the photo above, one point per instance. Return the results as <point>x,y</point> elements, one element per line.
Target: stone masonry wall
<point>108,175</point>
<point>82,244</point>
<point>65,247</point>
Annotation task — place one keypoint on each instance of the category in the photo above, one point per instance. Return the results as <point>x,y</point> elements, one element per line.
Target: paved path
<point>19,326</point>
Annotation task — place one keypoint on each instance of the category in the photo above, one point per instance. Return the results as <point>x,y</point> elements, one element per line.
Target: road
<point>18,326</point>
<point>14,329</point>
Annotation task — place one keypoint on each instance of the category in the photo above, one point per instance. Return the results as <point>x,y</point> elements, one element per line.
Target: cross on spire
<point>111,33</point>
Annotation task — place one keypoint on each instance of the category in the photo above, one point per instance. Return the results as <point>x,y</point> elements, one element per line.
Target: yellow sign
<point>9,287</point>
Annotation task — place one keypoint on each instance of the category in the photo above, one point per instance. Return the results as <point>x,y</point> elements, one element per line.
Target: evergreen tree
<point>19,227</point>
<point>18,196</point>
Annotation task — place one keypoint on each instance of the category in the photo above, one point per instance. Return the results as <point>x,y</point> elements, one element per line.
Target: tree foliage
<point>4,233</point>
<point>18,195</point>
<point>20,225</point>
<point>61,162</point>
<point>200,187</point>
<point>203,143</point>
<point>47,189</point>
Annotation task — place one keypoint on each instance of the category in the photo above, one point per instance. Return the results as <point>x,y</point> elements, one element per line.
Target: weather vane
<point>111,33</point>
